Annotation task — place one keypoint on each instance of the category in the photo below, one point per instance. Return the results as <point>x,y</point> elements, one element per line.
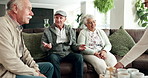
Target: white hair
<point>86,17</point>
<point>19,4</point>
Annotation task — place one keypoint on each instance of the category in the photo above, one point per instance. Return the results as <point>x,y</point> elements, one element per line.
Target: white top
<point>61,35</point>
<point>84,37</point>
<point>94,41</point>
<point>136,50</point>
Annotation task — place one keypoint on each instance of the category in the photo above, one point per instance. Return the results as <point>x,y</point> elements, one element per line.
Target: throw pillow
<point>121,42</point>
<point>33,42</point>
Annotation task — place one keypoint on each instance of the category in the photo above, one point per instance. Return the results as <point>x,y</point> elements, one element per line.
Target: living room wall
<point>124,13</point>
<point>38,19</point>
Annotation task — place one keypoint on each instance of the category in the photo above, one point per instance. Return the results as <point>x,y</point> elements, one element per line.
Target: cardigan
<point>83,39</point>
<point>61,49</point>
<point>12,61</point>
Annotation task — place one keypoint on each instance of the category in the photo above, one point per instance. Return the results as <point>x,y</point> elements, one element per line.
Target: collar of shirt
<point>92,34</point>
<point>20,28</point>
<point>61,35</point>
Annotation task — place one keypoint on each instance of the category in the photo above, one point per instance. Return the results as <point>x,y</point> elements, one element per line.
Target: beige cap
<point>60,12</point>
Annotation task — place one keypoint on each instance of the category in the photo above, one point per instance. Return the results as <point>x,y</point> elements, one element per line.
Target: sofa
<point>32,39</point>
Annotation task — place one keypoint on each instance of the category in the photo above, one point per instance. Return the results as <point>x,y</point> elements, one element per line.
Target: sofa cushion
<point>141,62</point>
<point>68,67</point>
<point>33,42</point>
<point>121,42</point>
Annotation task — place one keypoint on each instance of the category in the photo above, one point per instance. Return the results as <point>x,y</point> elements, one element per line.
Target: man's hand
<point>40,74</point>
<point>46,45</point>
<point>119,65</point>
<point>82,47</point>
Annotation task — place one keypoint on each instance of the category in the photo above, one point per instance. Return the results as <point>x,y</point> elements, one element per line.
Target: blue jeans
<point>46,68</point>
<point>74,58</point>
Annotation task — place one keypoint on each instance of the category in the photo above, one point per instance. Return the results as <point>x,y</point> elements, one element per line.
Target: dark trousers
<point>74,58</point>
<point>46,68</point>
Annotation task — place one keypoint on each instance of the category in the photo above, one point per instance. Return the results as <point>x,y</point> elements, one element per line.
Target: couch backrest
<point>34,30</point>
<point>77,30</point>
<point>33,38</point>
<point>33,42</point>
<point>136,34</point>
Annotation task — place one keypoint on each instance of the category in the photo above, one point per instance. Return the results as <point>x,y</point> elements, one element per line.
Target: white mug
<point>123,75</point>
<point>132,71</point>
<point>145,77</point>
<point>137,75</point>
<point>122,70</point>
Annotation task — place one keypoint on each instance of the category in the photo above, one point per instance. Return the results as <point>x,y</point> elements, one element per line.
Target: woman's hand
<point>119,65</point>
<point>97,54</point>
<point>103,54</point>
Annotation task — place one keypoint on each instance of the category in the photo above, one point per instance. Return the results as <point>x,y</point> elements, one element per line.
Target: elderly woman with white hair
<point>97,46</point>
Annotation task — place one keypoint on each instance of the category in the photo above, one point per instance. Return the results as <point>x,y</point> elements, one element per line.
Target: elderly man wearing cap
<point>60,43</point>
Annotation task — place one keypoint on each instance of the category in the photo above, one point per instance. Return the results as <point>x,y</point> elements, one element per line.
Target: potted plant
<point>104,5</point>
<point>79,19</point>
<point>142,13</point>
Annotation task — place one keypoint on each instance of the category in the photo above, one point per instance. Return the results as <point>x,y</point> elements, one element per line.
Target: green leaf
<point>142,13</point>
<point>139,23</point>
<point>104,5</point>
<point>144,24</point>
<point>144,17</point>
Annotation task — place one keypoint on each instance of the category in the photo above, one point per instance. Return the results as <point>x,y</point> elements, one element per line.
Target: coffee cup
<point>137,75</point>
<point>123,75</point>
<point>132,71</point>
<point>145,77</point>
<point>122,70</point>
